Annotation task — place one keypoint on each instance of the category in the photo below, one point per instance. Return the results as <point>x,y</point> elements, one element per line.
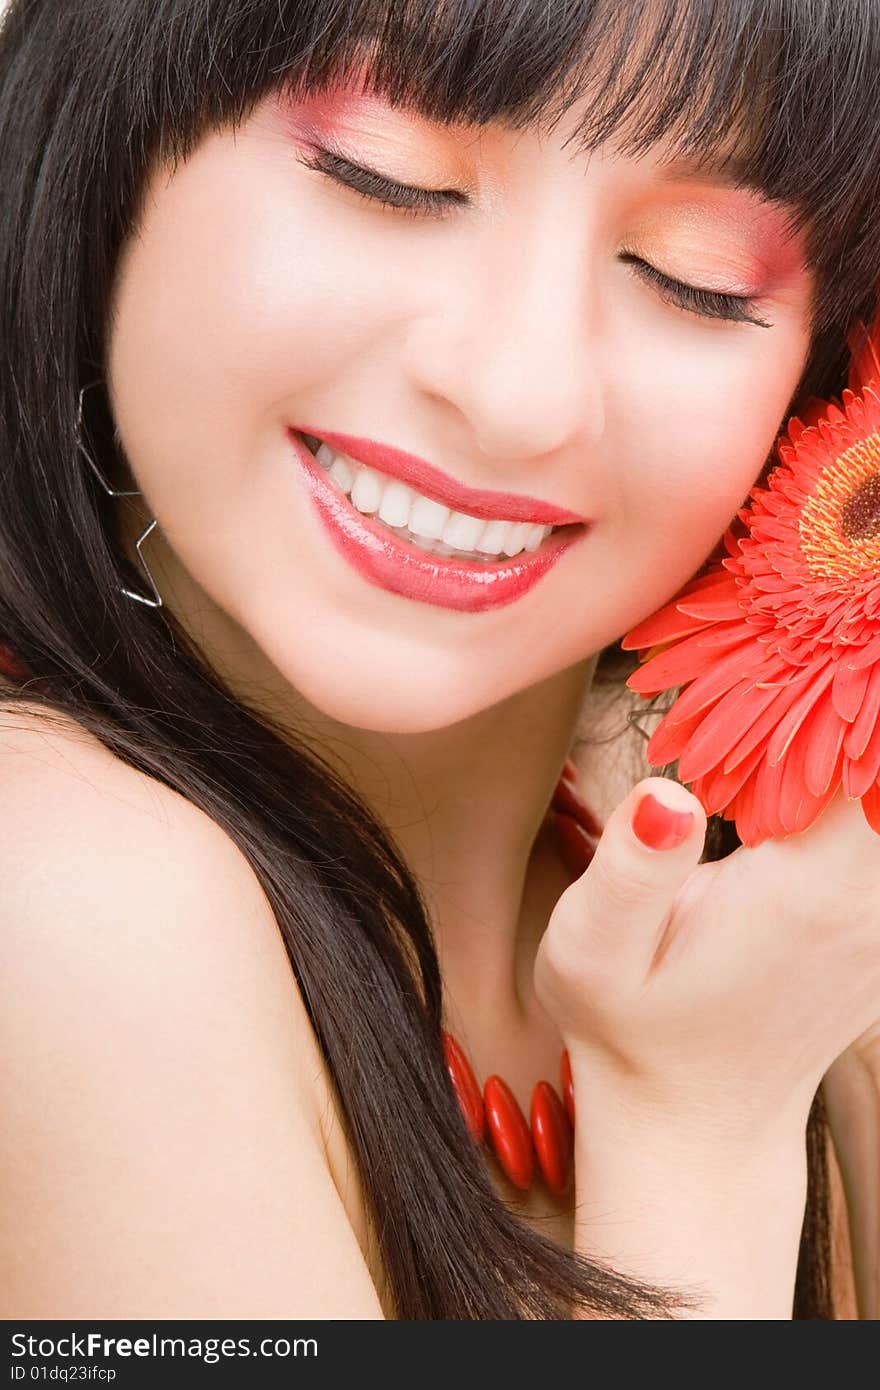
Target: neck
<point>464,804</point>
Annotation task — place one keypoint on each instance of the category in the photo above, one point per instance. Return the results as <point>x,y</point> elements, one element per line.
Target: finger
<point>651,843</point>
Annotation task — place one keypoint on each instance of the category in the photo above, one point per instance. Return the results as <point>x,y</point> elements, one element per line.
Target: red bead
<point>510,1134</point>
<point>576,848</point>
<point>553,1138</point>
<point>466,1088</point>
<point>569,771</point>
<point>566,798</point>
<point>567,1083</point>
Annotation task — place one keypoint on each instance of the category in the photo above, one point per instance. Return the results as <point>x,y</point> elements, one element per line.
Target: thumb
<point>619,907</point>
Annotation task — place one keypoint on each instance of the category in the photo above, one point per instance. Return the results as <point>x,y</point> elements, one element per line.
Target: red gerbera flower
<point>776,647</point>
<point>864,345</point>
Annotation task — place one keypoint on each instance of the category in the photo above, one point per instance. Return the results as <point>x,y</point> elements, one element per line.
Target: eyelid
<point>381,187</point>
<point>708,303</point>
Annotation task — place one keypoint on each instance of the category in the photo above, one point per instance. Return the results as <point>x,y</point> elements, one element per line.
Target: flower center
<point>839,525</point>
<point>860,513</point>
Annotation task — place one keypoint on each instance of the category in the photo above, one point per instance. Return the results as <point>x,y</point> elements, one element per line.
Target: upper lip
<point>434,483</point>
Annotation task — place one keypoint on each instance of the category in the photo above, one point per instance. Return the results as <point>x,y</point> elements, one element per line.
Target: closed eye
<point>405,197</point>
<point>709,303</point>
<point>440,202</point>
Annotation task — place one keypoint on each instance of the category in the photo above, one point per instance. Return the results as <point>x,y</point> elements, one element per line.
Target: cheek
<point>236,297</point>
<point>708,417</point>
<point>692,425</point>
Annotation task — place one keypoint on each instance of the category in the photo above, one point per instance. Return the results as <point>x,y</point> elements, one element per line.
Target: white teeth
<point>461,531</point>
<point>493,537</point>
<point>367,491</point>
<point>517,539</point>
<point>343,474</point>
<point>422,521</point>
<point>397,500</point>
<point>428,518</point>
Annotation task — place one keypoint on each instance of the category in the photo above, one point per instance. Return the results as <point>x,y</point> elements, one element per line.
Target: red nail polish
<point>658,827</point>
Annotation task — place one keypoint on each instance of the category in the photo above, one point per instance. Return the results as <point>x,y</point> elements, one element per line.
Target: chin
<point>411,695</point>
<point>388,708</point>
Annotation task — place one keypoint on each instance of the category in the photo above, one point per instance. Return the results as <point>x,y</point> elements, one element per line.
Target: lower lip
<point>384,559</point>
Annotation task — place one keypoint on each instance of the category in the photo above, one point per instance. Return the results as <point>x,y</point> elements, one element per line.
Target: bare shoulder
<point>161,1086</point>
<point>50,765</point>
<point>76,815</point>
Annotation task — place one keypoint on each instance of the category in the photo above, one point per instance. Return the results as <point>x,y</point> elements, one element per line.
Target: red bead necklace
<point>494,1113</point>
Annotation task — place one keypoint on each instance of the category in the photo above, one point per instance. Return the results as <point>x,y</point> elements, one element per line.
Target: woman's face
<point>513,339</point>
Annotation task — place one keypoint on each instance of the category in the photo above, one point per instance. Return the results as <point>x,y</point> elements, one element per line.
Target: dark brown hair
<point>90,94</point>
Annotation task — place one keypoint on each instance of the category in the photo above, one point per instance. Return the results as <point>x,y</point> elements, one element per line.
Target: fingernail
<point>658,826</point>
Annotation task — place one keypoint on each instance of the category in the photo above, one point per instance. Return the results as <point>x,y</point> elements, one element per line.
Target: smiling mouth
<point>395,559</point>
<point>422,521</point>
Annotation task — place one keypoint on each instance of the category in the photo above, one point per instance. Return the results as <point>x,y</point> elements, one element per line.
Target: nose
<point>512,344</point>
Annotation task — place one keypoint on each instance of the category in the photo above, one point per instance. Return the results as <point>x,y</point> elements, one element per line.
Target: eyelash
<point>708,303</point>
<point>437,202</point>
<point>440,202</point>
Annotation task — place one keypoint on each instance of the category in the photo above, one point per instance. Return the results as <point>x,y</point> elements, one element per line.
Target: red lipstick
<point>384,559</point>
<point>433,483</point>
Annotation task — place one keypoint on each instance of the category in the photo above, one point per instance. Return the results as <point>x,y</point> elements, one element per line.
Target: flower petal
<point>825,745</point>
<point>765,723</point>
<point>866,655</point>
<point>862,772</point>
<point>848,690</point>
<point>669,622</point>
<point>717,607</point>
<point>680,662</point>
<point>763,818</point>
<point>792,791</point>
<point>857,738</point>
<point>721,728</point>
<point>721,672</point>
<point>718,788</point>
<point>788,726</point>
<point>864,345</point>
<point>809,807</point>
<point>871,807</point>
<point>671,737</point>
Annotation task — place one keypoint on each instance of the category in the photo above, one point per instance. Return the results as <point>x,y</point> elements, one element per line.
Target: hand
<point>717,994</point>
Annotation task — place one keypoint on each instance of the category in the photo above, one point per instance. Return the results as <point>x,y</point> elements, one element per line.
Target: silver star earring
<point>156,601</point>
